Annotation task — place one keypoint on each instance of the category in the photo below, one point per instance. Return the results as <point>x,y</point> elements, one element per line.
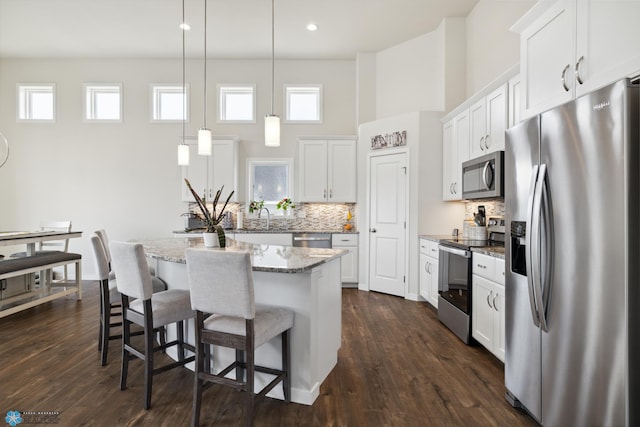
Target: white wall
<point>491,48</point>
<point>124,177</point>
<point>409,77</point>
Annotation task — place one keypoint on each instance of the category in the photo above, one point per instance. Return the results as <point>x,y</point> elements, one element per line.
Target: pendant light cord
<point>184,85</point>
<point>205,65</point>
<point>272,52</point>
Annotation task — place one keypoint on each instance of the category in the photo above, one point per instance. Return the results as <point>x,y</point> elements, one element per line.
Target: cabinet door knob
<point>577,70</point>
<point>482,144</point>
<point>489,302</point>
<point>494,302</point>
<point>564,81</point>
<point>486,142</point>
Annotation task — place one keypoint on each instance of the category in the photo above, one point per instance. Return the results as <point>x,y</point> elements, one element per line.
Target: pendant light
<point>204,134</point>
<point>183,148</point>
<point>272,121</point>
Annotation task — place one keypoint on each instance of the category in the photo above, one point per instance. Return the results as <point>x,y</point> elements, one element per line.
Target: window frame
<point>289,89</point>
<point>22,89</point>
<point>240,88</point>
<point>94,88</point>
<point>269,204</point>
<point>156,90</point>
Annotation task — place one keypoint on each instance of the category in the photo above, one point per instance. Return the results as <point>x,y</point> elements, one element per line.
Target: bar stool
<point>149,310</point>
<point>221,284</point>
<point>110,300</point>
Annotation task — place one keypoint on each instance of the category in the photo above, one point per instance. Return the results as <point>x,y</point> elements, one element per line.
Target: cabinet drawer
<point>429,247</point>
<point>499,273</point>
<point>484,266</point>
<point>344,240</point>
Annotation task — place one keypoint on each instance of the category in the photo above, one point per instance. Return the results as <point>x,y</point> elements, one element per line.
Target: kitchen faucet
<point>268,215</point>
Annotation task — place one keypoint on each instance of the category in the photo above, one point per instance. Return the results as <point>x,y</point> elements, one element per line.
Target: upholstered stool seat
<point>169,306</point>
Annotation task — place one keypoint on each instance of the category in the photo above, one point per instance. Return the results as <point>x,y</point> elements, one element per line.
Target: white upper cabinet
<point>455,150</point>
<point>488,118</point>
<point>207,174</point>
<point>327,170</point>
<point>574,47</point>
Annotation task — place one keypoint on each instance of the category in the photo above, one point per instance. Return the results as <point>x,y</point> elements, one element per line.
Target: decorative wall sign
<point>395,139</point>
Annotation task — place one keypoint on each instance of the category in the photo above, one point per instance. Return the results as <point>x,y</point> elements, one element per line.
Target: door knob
<point>373,230</point>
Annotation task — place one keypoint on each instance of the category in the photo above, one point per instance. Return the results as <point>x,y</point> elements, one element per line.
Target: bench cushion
<point>42,259</point>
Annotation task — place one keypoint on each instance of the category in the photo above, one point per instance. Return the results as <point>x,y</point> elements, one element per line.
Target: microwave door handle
<point>487,181</point>
<point>528,242</point>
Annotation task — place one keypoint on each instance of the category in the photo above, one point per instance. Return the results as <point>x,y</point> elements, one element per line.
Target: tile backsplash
<point>493,208</point>
<point>306,216</point>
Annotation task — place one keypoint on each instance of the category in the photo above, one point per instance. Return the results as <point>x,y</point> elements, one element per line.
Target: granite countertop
<point>269,258</point>
<point>271,231</point>
<point>494,251</point>
<point>434,238</point>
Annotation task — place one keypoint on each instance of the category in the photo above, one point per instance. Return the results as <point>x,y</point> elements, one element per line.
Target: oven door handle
<point>459,252</point>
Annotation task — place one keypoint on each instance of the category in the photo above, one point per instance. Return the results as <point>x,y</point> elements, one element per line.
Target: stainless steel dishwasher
<point>312,240</point>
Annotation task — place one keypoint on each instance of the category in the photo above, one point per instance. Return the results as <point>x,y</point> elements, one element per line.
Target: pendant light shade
<point>271,130</point>
<point>204,142</point>
<point>272,121</point>
<point>183,155</point>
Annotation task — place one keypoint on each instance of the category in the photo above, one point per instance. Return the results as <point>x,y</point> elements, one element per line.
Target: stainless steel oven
<point>454,288</point>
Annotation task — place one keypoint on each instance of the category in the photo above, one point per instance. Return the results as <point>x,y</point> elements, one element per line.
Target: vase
<point>211,240</point>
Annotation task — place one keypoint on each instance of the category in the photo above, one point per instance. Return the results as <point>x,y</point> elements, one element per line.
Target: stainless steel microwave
<point>483,177</point>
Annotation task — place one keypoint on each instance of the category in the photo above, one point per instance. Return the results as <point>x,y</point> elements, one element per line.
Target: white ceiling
<point>236,28</point>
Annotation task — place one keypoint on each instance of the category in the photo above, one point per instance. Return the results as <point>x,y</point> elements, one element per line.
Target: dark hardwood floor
<point>398,366</point>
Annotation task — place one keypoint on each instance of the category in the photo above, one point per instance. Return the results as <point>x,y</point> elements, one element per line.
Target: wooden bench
<point>40,262</point>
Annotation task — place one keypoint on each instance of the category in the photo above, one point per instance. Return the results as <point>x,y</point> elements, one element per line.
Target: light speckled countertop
<point>494,251</point>
<point>270,258</point>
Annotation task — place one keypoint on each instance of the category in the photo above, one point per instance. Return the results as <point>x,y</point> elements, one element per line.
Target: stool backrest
<point>102,265</point>
<point>130,265</point>
<point>105,242</point>
<point>221,282</point>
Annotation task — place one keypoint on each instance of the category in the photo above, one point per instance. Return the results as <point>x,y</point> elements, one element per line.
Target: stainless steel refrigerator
<point>572,191</point>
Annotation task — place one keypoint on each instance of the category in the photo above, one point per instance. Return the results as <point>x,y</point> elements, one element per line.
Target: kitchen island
<point>304,280</point>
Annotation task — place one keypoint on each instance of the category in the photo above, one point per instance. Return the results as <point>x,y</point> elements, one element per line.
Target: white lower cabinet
<point>429,271</point>
<point>487,317</point>
<point>349,262</point>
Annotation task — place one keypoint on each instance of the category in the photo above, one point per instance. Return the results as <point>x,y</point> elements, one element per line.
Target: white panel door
<point>387,221</point>
<point>478,128</point>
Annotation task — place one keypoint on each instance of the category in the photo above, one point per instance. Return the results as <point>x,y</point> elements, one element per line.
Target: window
<point>270,180</point>
<point>103,102</point>
<point>169,103</point>
<point>36,102</point>
<point>304,103</point>
<point>237,103</point>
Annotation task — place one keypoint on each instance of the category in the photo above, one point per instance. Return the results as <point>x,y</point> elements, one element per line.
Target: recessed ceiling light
<point>185,26</point>
<point>312,27</point>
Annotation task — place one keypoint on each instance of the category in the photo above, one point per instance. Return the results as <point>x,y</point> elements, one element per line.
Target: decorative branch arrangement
<point>211,220</point>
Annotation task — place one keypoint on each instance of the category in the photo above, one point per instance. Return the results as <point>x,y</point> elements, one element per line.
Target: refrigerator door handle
<point>536,262</point>
<point>528,242</point>
<point>545,280</point>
